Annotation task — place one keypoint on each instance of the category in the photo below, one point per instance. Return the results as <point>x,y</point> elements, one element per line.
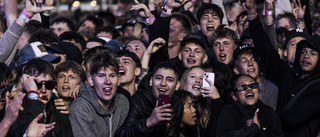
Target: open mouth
<point>249,95</point>
<point>196,87</point>
<point>162,91</point>
<point>223,57</point>
<point>65,88</point>
<point>44,97</point>
<point>191,61</point>
<point>210,28</point>
<point>304,63</point>
<point>122,72</point>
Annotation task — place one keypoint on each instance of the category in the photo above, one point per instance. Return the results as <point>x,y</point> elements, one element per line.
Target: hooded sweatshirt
<point>302,119</point>
<point>89,119</point>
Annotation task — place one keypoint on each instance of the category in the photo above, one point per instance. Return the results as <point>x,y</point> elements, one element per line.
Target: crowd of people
<point>144,74</point>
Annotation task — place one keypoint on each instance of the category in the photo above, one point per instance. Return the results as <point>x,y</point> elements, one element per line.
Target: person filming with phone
<point>154,110</point>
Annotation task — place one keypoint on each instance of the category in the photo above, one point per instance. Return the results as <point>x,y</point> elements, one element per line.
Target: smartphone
<point>210,76</point>
<point>163,99</point>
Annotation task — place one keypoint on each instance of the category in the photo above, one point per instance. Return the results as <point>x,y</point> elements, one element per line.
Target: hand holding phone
<point>163,99</point>
<point>205,83</point>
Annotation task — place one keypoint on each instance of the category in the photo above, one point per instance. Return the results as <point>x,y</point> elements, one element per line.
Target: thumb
<point>157,103</point>
<point>256,113</point>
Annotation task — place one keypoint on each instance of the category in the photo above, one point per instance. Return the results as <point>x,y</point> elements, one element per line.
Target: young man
<point>245,62</point>
<point>224,41</point>
<point>298,100</point>
<point>145,117</point>
<point>74,38</point>
<point>60,25</point>
<point>246,115</point>
<point>38,82</point>
<point>100,110</point>
<point>129,70</point>
<point>69,75</point>
<point>137,46</point>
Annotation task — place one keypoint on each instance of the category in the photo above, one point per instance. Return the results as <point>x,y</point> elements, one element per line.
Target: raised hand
<point>39,130</point>
<point>159,113</point>
<point>36,6</point>
<point>146,12</point>
<point>211,91</point>
<point>12,108</point>
<point>298,10</point>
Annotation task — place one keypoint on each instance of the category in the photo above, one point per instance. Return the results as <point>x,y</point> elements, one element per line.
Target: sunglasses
<point>245,87</point>
<point>49,85</point>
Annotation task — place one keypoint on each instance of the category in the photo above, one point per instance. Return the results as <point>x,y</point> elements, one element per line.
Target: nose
<point>250,63</point>
<point>198,79</point>
<point>43,89</point>
<point>107,80</point>
<point>191,54</point>
<point>193,109</point>
<point>163,82</point>
<point>221,47</point>
<point>66,80</point>
<point>210,19</point>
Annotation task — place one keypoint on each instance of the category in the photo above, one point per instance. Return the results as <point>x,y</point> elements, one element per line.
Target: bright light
<point>76,3</point>
<point>93,3</point>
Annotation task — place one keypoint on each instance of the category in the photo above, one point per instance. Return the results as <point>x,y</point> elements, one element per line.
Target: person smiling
<point>100,110</point>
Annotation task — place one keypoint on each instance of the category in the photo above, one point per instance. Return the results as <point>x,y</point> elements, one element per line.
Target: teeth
<point>191,60</point>
<point>223,55</point>
<point>122,72</point>
<point>249,95</point>
<point>106,89</point>
<point>65,87</point>
<point>211,26</point>
<point>196,87</point>
<point>251,70</point>
<point>162,90</point>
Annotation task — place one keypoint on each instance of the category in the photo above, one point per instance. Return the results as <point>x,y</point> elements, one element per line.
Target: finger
<point>299,3</point>
<point>165,106</point>
<point>62,108</point>
<point>166,110</point>
<point>256,113</point>
<point>47,130</point>
<point>157,103</point>
<point>50,125</point>
<point>304,7</point>
<point>37,118</point>
<point>295,3</point>
<point>59,103</point>
<point>136,1</point>
<point>58,100</point>
<point>65,112</point>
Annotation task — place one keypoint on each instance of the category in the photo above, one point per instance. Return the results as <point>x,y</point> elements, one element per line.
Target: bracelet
<point>167,11</point>
<point>26,14</point>
<point>24,18</point>
<point>251,16</point>
<point>150,19</point>
<point>267,12</point>
<point>33,95</point>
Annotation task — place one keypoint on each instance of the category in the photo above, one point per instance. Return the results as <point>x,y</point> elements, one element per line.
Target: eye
<point>186,50</point>
<point>170,79</point>
<point>73,77</point>
<point>101,75</point>
<point>113,75</point>
<point>244,61</point>
<point>60,77</point>
<point>198,51</point>
<point>303,52</point>
<point>138,48</point>
<point>126,62</point>
<point>158,78</point>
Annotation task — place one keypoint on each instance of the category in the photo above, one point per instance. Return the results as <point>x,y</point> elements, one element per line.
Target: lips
<point>194,117</point>
<point>191,61</point>
<point>65,88</point>
<point>305,63</point>
<point>196,87</point>
<point>223,57</point>
<point>249,95</point>
<point>107,90</point>
<point>162,91</point>
<point>210,28</point>
<point>122,72</point>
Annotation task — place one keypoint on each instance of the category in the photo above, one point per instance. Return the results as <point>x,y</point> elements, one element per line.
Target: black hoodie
<point>302,119</point>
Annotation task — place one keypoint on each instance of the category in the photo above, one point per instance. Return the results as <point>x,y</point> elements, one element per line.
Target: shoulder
<point>79,104</point>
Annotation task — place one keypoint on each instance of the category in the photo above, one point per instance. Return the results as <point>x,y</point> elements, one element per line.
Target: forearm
<point>4,127</point>
<point>10,11</point>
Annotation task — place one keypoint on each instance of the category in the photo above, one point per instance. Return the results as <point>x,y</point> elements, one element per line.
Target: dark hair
<point>3,24</point>
<point>132,55</point>
<point>37,66</point>
<point>91,53</point>
<point>166,65</point>
<point>315,24</point>
<point>209,7</point>
<point>103,61</point>
<point>186,23</point>
<point>222,32</point>
<point>115,33</point>
<point>72,35</point>
<point>108,16</point>
<point>44,35</point>
<point>6,74</point>
<point>281,36</point>
<point>97,22</point>
<point>64,20</point>
<point>32,26</point>
<point>290,16</point>
<point>241,15</point>
<point>70,65</point>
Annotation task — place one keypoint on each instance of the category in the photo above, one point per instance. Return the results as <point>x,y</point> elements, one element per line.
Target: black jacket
<point>303,118</point>
<point>62,128</point>
<point>142,104</point>
<point>232,121</point>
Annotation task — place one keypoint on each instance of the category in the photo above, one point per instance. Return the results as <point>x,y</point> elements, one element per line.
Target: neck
<point>258,79</point>
<point>174,50</point>
<point>105,105</point>
<point>131,87</point>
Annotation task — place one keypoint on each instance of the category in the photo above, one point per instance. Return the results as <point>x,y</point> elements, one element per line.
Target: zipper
<point>110,125</point>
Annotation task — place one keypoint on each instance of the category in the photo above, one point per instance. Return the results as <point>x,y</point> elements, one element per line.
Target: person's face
<point>144,34</point>
<point>248,41</point>
<point>290,51</point>
<point>308,59</point>
<point>284,22</point>
<point>128,31</point>
<point>45,94</point>
<point>247,64</point>
<point>208,23</point>
<point>247,97</point>
<point>104,34</point>
<point>127,70</point>
<point>223,49</point>
<point>189,113</point>
<point>175,32</point>
<point>105,83</point>
<point>136,47</point>
<point>240,24</point>
<point>194,82</point>
<point>164,82</point>
<point>87,26</point>
<point>66,81</point>
<point>192,55</point>
<point>59,28</point>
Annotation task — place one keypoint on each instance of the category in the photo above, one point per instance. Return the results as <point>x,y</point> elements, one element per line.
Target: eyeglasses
<point>245,87</point>
<point>49,85</point>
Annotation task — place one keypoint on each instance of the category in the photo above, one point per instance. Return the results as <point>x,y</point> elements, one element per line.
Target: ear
<point>177,86</point>
<point>137,72</point>
<point>180,56</point>
<point>150,82</point>
<point>285,54</point>
<point>233,96</point>
<point>205,58</point>
<point>181,36</point>
<point>90,81</point>
<point>236,71</point>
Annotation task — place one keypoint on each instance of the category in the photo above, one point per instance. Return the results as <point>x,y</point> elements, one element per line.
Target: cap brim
<point>51,58</point>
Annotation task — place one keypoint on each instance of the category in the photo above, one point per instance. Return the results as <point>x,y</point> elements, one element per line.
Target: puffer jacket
<point>142,104</point>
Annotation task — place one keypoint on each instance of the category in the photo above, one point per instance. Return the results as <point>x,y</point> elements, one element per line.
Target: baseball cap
<point>34,50</point>
<point>194,36</point>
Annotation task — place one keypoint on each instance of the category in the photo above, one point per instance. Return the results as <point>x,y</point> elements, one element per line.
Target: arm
<point>10,11</point>
<point>269,23</point>
<point>11,113</point>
